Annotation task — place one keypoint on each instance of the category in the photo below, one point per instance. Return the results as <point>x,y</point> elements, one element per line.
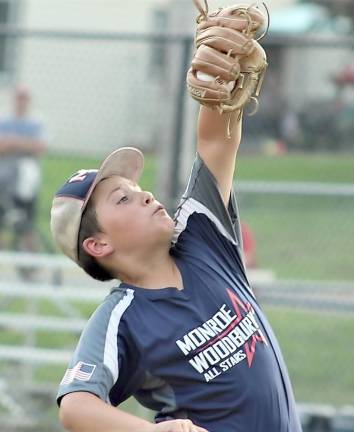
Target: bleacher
<point>62,287</point>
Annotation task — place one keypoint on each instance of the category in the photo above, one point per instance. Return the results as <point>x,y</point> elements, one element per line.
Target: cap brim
<point>126,162</point>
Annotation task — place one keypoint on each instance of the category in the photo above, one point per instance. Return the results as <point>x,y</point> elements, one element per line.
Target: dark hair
<point>89,226</point>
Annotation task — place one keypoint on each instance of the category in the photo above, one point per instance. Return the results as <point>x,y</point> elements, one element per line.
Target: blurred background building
<point>320,23</point>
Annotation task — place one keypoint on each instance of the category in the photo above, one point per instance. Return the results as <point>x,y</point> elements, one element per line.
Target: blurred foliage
<point>336,7</point>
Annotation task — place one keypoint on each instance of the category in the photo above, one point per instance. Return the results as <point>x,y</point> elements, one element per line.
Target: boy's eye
<point>122,199</point>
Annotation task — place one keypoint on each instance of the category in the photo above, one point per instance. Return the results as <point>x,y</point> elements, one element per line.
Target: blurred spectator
<point>249,246</point>
<point>22,142</point>
<point>289,126</point>
<point>344,76</point>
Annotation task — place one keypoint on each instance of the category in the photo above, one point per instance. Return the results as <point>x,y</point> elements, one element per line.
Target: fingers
<point>207,92</point>
<point>225,40</point>
<point>215,63</point>
<point>188,426</point>
<point>200,429</point>
<point>178,426</point>
<point>241,18</point>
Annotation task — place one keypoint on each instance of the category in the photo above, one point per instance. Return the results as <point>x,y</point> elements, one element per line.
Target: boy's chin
<point>168,228</point>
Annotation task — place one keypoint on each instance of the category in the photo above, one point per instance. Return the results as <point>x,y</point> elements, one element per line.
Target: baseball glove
<point>229,64</point>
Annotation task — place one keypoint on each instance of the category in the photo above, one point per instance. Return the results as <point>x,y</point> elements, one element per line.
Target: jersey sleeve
<point>202,195</point>
<point>101,350</point>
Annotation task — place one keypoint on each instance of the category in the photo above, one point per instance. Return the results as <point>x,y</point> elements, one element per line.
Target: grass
<point>318,354</point>
<point>327,168</point>
<point>315,346</point>
<point>302,237</point>
<point>297,237</point>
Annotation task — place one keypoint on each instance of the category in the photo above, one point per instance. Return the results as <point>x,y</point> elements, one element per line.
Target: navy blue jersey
<point>207,352</point>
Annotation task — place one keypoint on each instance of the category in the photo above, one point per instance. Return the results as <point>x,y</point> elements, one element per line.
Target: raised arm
<point>217,150</point>
<point>226,73</point>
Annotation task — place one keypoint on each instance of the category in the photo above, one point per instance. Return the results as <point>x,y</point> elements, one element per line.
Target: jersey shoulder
<point>202,197</point>
<point>94,366</point>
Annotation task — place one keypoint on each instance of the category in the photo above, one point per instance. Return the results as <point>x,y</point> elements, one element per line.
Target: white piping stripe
<point>193,206</point>
<point>111,348</point>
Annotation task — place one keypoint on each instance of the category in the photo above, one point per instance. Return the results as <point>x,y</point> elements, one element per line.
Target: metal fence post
<point>179,121</point>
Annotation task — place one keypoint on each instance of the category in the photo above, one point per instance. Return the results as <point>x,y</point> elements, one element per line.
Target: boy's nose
<point>148,197</point>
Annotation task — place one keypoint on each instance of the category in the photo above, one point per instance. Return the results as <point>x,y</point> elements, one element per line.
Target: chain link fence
<point>97,92</point>
<point>307,99</point>
<point>301,230</point>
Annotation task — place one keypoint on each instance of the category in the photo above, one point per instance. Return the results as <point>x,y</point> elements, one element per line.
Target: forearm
<point>217,150</point>
<point>85,412</point>
<point>15,144</point>
<point>214,127</point>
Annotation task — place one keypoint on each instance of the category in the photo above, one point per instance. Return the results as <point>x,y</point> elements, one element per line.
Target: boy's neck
<point>159,271</point>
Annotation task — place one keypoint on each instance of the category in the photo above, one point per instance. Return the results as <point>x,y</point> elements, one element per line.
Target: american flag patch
<point>81,371</point>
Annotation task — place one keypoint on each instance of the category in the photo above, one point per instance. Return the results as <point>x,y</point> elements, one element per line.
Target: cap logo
<point>81,175</point>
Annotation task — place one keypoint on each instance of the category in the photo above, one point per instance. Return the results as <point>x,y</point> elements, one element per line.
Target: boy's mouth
<point>158,208</point>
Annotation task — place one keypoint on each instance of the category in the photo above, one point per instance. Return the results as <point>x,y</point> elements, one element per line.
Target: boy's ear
<point>97,247</point>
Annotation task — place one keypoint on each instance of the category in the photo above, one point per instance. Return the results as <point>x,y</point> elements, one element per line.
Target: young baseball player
<point>182,332</point>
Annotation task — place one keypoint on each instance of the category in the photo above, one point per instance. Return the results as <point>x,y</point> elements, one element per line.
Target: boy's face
<point>130,218</point>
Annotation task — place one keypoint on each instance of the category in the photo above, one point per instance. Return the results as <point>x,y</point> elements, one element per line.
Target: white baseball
<point>206,77</point>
